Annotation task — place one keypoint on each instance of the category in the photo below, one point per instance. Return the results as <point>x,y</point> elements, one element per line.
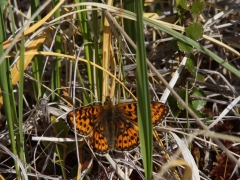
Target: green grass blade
<point>8,96</point>
<point>87,37</point>
<point>37,62</point>
<point>21,143</point>
<point>97,43</point>
<point>128,24</point>
<point>144,112</point>
<point>56,80</point>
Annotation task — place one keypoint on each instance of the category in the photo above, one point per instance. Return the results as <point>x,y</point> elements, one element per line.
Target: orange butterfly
<point>112,127</point>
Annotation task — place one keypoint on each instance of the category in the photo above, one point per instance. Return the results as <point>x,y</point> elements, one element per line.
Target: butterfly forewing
<point>159,112</point>
<point>86,118</point>
<point>127,111</point>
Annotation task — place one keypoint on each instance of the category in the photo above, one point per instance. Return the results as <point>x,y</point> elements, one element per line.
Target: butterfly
<point>112,127</point>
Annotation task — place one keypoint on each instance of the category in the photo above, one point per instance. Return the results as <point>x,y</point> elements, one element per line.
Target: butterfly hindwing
<point>98,140</point>
<point>127,135</point>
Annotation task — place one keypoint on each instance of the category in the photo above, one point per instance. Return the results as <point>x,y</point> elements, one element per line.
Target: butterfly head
<point>108,101</point>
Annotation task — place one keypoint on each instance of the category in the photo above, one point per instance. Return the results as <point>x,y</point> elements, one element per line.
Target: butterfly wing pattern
<point>159,112</point>
<point>86,119</point>
<point>113,127</point>
<point>127,136</point>
<point>98,140</point>
<point>126,131</point>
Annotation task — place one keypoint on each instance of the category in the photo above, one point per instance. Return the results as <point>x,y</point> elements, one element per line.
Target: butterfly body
<point>109,124</point>
<point>112,127</point>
